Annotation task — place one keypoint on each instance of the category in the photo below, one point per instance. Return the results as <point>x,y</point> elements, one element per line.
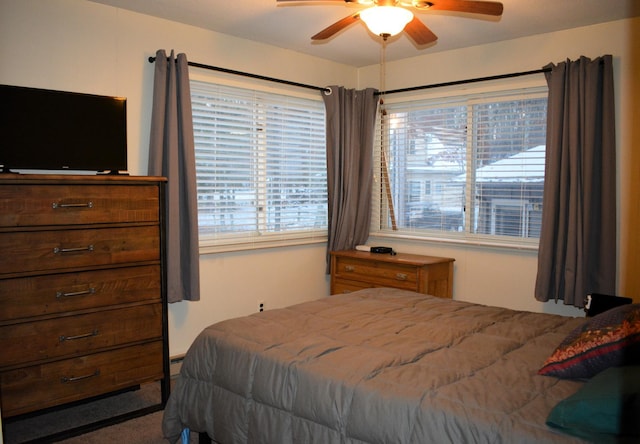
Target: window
<point>260,167</point>
<point>481,158</point>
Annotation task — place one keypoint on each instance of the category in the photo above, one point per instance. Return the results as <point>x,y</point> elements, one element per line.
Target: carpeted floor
<point>142,430</point>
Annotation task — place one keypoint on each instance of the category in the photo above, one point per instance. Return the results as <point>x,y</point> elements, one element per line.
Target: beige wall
<point>629,182</point>
<point>81,46</point>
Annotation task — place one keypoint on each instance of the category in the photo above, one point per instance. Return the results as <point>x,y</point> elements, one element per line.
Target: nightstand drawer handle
<point>58,250</point>
<point>66,380</point>
<point>73,338</point>
<point>60,294</point>
<point>401,276</point>
<point>349,268</point>
<point>76,205</point>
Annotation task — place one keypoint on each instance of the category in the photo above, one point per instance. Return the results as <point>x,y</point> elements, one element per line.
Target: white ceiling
<point>291,25</point>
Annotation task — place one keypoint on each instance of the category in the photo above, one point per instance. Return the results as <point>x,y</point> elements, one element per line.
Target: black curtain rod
<point>394,91</point>
<point>253,76</point>
<point>462,82</point>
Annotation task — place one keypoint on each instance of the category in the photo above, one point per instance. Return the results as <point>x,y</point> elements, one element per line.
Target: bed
<point>374,366</point>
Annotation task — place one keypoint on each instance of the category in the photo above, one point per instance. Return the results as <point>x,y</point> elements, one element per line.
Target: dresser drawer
<point>40,386</point>
<point>36,205</point>
<point>59,293</point>
<point>62,249</point>
<point>341,286</point>
<point>375,273</point>
<point>73,335</point>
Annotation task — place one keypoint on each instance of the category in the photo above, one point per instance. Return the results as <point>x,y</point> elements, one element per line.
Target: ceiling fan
<point>390,17</point>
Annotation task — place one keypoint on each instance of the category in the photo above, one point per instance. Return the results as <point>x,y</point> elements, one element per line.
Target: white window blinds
<point>464,168</point>
<point>260,166</point>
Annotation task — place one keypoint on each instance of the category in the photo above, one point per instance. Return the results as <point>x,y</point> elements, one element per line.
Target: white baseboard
<point>175,364</point>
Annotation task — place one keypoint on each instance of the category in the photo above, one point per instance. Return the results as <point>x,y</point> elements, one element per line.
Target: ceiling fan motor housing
<point>415,29</point>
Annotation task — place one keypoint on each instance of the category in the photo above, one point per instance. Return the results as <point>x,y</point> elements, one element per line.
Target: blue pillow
<point>606,408</point>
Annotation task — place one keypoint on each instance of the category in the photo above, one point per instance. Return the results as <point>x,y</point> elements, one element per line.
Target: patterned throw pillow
<point>609,339</point>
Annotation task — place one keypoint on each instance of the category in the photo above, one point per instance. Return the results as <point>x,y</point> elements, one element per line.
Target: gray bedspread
<point>374,366</point>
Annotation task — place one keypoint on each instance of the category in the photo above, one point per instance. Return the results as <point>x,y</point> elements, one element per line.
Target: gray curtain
<point>577,253</point>
<point>351,117</point>
<point>172,155</point>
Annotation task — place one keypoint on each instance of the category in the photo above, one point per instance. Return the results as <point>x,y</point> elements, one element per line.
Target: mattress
<point>374,366</point>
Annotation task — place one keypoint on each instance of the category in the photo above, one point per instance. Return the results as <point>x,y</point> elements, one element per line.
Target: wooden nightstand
<point>353,270</point>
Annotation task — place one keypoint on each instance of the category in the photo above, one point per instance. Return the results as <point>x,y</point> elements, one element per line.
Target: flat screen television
<point>42,129</point>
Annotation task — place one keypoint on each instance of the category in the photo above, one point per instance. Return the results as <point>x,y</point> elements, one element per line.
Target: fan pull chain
<point>384,172</point>
<point>383,74</point>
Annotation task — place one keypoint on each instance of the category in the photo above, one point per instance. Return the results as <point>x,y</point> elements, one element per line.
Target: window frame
<point>534,86</point>
<point>241,241</point>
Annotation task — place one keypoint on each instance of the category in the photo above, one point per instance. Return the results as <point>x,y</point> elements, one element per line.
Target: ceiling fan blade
<point>338,26</point>
<point>366,2</point>
<point>419,32</point>
<point>474,7</point>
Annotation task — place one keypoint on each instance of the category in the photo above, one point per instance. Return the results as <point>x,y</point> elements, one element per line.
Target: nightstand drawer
<point>40,341</point>
<point>382,274</point>
<point>62,249</point>
<point>59,293</point>
<point>77,204</point>
<point>40,386</point>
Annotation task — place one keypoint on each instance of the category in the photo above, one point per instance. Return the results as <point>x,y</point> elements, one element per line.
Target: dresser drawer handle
<point>76,205</point>
<point>66,380</point>
<point>401,276</point>
<point>84,336</point>
<point>58,250</point>
<point>349,268</point>
<point>60,294</point>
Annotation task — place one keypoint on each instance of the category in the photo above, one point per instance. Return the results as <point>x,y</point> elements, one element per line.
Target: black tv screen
<point>43,129</point>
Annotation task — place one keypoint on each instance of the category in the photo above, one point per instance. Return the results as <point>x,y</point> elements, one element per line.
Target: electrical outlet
<point>260,305</point>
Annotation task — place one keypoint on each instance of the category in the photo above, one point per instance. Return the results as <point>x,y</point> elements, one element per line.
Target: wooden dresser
<point>354,270</point>
<point>82,290</point>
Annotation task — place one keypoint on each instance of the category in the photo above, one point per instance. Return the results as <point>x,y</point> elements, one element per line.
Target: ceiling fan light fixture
<point>386,20</point>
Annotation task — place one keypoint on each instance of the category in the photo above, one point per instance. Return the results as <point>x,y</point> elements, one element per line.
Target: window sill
<point>259,245</point>
<point>478,242</point>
